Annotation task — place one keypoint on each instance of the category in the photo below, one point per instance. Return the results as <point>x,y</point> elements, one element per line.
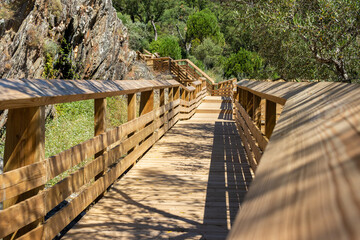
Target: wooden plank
<point>255,149</point>
<point>167,190</point>
<point>307,181</point>
<point>247,148</point>
<point>31,93</point>
<point>20,180</point>
<point>72,183</point>
<point>260,138</point>
<point>56,223</point>
<point>21,215</point>
<point>270,118</point>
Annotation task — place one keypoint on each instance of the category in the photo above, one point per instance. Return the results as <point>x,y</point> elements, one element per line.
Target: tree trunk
<point>341,71</point>
<point>155,31</point>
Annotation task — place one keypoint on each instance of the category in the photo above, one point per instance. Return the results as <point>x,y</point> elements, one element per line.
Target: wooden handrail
<point>197,69</point>
<point>26,170</point>
<point>309,163</point>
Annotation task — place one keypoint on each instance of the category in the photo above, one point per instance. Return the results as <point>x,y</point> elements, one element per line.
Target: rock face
<point>98,41</point>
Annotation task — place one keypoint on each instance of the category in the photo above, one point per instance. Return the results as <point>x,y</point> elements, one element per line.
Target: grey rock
<point>99,40</point>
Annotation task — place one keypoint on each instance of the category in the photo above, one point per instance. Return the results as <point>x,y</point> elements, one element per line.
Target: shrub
<point>202,25</point>
<point>56,7</point>
<point>138,32</point>
<point>243,64</point>
<point>209,53</point>
<point>166,46</point>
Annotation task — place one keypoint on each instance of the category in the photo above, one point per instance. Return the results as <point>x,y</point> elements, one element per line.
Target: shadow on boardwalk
<point>192,191</point>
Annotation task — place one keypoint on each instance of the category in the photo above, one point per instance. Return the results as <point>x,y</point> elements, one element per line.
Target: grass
<point>73,125</point>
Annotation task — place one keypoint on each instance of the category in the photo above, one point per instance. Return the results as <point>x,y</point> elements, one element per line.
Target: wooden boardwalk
<point>189,185</point>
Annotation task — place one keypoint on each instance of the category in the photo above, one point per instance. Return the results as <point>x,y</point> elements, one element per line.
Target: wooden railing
<point>100,160</point>
<point>307,182</point>
<point>255,116</point>
<point>186,72</point>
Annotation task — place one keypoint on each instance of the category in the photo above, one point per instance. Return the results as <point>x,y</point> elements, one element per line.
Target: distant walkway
<point>189,185</point>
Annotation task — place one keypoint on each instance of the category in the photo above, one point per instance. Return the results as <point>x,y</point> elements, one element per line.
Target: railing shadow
<point>229,178</point>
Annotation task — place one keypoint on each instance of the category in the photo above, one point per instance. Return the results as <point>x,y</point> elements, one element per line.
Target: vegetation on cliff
<point>293,40</point>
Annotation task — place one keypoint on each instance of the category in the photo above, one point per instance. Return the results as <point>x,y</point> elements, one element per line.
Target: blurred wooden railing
<point>186,72</point>
<point>307,182</point>
<point>255,116</point>
<point>100,160</point>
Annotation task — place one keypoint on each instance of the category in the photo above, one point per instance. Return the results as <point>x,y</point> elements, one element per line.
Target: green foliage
<point>243,64</point>
<point>138,32</point>
<point>49,71</point>
<point>204,24</point>
<point>56,7</point>
<point>197,62</point>
<point>316,39</point>
<point>73,125</point>
<point>209,53</point>
<point>64,64</point>
<point>143,11</point>
<point>166,46</point>
<point>116,111</point>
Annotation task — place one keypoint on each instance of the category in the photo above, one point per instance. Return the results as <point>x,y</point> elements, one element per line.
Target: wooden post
<point>131,103</point>
<point>162,97</point>
<point>187,96</point>
<point>270,117</point>
<point>169,65</point>
<point>100,127</point>
<point>24,145</point>
<point>183,96</point>
<point>131,106</point>
<point>249,105</point>
<point>171,94</point>
<point>257,111</point>
<point>176,93</point>
<point>100,119</point>
<point>146,102</point>
<point>244,98</point>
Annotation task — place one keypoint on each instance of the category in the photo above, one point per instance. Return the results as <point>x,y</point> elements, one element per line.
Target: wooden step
<point>212,110</point>
<point>216,99</point>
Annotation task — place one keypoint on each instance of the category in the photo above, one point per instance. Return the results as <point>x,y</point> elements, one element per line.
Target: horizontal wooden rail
<point>307,182</point>
<point>26,202</point>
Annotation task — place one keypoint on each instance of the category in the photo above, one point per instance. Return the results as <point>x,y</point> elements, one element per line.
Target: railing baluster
<point>270,117</point>
<point>24,145</point>
<point>171,95</point>
<point>100,127</point>
<point>257,111</point>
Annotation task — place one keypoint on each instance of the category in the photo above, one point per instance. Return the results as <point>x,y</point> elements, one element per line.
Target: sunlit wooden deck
<point>189,185</point>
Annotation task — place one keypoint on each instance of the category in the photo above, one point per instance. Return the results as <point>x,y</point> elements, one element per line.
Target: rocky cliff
<point>35,34</point>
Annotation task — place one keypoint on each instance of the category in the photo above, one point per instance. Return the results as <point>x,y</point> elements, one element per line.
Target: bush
<point>138,32</point>
<point>56,8</point>
<point>243,64</point>
<point>209,53</point>
<point>167,46</point>
<point>202,25</point>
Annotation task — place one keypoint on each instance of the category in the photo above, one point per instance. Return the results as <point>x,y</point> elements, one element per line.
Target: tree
<point>145,11</point>
<point>322,32</point>
<point>209,53</point>
<point>243,64</point>
<point>204,24</point>
<point>166,46</point>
